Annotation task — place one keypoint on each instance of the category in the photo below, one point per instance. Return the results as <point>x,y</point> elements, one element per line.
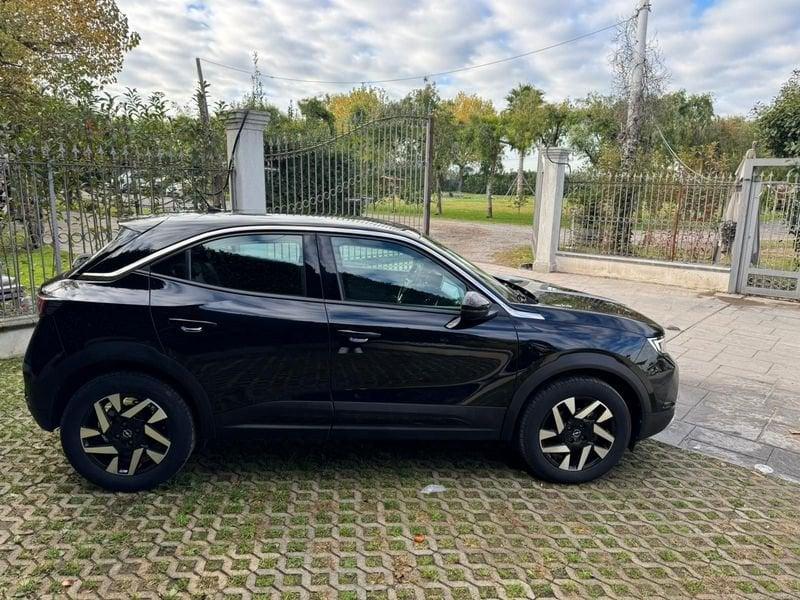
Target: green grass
<point>34,268</point>
<point>472,207</point>
<point>466,207</point>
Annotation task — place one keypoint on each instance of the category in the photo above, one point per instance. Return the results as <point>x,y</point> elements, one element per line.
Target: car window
<point>391,273</point>
<point>268,264</point>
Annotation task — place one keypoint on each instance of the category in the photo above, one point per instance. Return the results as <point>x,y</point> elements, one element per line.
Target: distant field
<point>472,207</point>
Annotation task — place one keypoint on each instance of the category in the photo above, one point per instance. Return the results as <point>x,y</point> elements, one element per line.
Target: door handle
<point>192,325</point>
<point>359,337</point>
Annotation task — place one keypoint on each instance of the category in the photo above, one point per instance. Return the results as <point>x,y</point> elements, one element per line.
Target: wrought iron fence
<point>668,216</point>
<point>58,204</point>
<point>376,170</point>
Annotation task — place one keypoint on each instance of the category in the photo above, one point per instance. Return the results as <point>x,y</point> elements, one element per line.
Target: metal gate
<point>766,259</point>
<point>378,170</point>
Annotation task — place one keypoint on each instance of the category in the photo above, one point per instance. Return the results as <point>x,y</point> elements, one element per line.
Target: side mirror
<point>475,308</point>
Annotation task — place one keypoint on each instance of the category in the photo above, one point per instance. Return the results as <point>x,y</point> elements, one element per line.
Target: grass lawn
<point>472,207</point>
<point>34,269</point>
<point>514,257</point>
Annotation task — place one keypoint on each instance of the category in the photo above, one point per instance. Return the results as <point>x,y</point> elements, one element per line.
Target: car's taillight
<point>41,302</point>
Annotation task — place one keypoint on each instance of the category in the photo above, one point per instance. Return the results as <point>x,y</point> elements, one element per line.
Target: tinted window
<point>269,264</point>
<point>391,273</point>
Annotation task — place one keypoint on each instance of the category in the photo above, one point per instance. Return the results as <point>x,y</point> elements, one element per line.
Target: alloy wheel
<point>125,435</point>
<point>577,433</point>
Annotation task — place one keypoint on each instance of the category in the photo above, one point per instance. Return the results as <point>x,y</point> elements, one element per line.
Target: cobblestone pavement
<point>349,521</point>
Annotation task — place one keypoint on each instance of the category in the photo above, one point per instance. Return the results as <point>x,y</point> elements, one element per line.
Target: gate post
<point>426,193</point>
<point>547,223</point>
<point>244,136</point>
<point>740,255</point>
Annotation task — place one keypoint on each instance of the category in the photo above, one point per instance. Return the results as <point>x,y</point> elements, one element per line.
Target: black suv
<point>194,326</point>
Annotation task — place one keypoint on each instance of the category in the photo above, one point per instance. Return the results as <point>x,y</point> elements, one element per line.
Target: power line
<point>424,75</point>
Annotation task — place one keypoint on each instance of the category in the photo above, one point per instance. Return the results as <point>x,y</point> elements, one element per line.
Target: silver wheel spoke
<point>113,466</point>
<point>599,431</point>
<point>87,432</point>
<point>601,452</point>
<point>588,410</point>
<point>605,416</point>
<point>135,458</point>
<point>584,456</point>
<point>565,463</point>
<point>556,449</point>
<point>102,419</point>
<point>557,417</point>
<point>136,409</point>
<point>545,434</point>
<point>116,401</point>
<point>152,433</point>
<point>156,457</point>
<point>159,415</point>
<point>570,402</point>
<point>101,450</point>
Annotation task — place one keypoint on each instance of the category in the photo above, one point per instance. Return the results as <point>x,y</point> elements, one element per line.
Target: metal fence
<point>668,216</point>
<point>376,170</point>
<point>56,204</point>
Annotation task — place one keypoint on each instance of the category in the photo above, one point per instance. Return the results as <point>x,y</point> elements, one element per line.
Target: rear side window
<point>267,264</point>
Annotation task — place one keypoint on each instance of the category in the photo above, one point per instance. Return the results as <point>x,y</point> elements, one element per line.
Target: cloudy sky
<point>739,50</point>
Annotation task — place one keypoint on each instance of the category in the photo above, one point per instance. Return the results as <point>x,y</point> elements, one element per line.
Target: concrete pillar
<point>248,191</point>
<point>548,209</point>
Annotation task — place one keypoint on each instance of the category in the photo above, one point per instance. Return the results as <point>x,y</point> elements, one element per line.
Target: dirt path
<point>479,241</point>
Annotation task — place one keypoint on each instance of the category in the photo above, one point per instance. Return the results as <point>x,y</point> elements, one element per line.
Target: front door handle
<point>193,325</point>
<point>359,337</point>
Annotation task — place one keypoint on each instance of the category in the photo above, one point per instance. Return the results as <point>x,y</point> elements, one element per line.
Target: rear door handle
<point>359,337</point>
<point>192,325</point>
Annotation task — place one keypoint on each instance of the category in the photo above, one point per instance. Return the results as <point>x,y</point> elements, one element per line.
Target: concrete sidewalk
<point>739,360</point>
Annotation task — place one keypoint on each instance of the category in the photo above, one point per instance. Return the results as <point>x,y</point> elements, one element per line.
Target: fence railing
<point>668,216</point>
<point>375,170</point>
<point>58,204</point>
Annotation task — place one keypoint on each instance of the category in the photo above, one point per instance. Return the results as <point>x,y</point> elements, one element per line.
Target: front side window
<point>268,264</point>
<point>390,273</point>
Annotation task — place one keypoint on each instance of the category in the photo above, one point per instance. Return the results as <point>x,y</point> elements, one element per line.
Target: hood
<point>558,297</point>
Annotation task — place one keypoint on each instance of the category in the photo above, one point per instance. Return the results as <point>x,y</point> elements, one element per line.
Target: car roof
<point>192,223</point>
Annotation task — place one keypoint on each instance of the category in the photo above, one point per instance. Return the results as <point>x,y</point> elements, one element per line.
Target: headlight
<point>659,344</point>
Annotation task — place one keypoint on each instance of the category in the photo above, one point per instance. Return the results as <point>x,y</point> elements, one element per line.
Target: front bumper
<point>663,377</point>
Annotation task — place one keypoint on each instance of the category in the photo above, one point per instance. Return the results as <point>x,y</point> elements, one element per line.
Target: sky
<point>738,50</point>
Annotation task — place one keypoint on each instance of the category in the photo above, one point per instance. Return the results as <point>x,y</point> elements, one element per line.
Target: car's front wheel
<point>574,430</point>
<point>127,431</point>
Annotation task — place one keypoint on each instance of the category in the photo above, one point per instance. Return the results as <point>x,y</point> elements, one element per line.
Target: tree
<point>464,108</point>
<point>779,122</point>
<point>523,124</point>
<point>485,134</point>
<point>314,111</point>
<point>357,106</point>
<point>59,43</point>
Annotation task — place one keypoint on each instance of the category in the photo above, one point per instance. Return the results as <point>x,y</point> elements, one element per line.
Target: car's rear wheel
<point>127,431</point>
<point>574,430</point>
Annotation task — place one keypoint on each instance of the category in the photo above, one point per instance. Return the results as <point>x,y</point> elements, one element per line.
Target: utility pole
<point>633,126</point>
<point>202,101</point>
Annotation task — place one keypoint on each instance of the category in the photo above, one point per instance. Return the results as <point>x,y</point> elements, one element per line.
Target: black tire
<point>130,386</point>
<point>576,433</point>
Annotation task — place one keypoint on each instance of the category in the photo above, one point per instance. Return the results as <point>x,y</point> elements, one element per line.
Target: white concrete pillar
<point>548,209</point>
<point>248,191</point>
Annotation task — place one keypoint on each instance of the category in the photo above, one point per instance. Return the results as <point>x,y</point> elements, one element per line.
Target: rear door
<point>396,366</point>
<point>244,313</point>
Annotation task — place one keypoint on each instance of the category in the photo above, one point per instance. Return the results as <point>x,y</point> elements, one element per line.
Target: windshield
<point>507,291</point>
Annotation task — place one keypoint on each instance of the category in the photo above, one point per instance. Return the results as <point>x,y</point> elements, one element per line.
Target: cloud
<point>738,50</point>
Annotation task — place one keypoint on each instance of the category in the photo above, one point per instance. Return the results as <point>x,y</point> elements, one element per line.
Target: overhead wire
<point>422,76</point>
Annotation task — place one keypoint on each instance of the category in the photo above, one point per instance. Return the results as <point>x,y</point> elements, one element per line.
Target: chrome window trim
<point>431,249</point>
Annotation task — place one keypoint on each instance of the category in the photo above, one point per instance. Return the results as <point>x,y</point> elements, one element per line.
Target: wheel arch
<point>601,366</point>
<point>138,359</point>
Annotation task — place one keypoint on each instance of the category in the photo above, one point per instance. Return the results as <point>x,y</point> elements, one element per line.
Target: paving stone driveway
<point>739,362</point>
<point>349,521</point>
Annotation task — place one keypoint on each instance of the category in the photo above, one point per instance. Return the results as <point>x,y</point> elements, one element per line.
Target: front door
<point>396,366</point>
<point>244,315</point>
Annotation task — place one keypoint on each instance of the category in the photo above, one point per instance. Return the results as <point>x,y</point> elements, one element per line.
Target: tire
<point>127,431</point>
<point>589,442</point>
